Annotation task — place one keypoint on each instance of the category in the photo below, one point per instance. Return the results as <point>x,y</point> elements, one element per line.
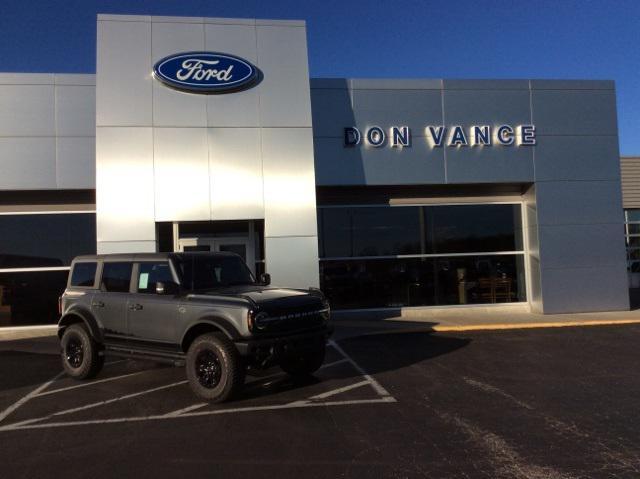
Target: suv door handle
<point>135,307</point>
<point>97,304</point>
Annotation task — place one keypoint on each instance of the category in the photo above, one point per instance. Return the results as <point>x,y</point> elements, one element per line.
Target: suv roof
<point>148,256</point>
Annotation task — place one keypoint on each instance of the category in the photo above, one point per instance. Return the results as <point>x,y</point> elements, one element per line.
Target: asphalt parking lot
<point>545,403</point>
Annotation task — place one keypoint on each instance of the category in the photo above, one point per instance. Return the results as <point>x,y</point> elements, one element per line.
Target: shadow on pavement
<point>20,369</point>
<point>385,352</point>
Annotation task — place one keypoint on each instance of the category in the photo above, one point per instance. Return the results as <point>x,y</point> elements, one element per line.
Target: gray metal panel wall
<point>578,197</point>
<point>630,172</point>
<point>574,205</point>
<point>47,131</point>
<point>239,155</point>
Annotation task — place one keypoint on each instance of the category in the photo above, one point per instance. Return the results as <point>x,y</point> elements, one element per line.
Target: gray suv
<point>205,311</point>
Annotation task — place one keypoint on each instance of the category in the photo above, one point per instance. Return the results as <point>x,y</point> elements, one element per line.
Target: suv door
<point>109,304</point>
<point>152,316</point>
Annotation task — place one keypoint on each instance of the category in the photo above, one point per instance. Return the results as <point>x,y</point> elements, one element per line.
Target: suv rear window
<point>84,274</point>
<point>116,277</point>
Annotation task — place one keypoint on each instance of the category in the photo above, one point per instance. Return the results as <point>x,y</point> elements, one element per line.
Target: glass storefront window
<point>46,242</point>
<point>633,215</point>
<point>30,297</point>
<point>474,228</point>
<point>363,253</point>
<point>632,238</point>
<point>392,283</point>
<point>383,231</point>
<point>41,240</point>
<point>405,230</point>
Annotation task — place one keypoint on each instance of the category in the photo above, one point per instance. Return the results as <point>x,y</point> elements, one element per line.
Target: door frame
<point>215,242</point>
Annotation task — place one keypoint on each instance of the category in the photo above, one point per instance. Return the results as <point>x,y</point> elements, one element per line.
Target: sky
<point>559,39</point>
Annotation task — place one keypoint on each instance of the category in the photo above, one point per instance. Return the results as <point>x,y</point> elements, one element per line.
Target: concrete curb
<point>26,332</point>
<point>537,325</point>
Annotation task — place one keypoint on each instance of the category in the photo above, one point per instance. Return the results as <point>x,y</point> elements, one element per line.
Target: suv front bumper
<point>279,345</point>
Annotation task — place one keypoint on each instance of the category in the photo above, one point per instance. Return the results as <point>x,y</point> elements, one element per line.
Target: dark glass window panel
<point>405,230</point>
<point>335,232</point>
<point>634,228</point>
<point>201,247</point>
<point>395,283</point>
<point>164,235</point>
<point>31,298</point>
<point>83,274</point>
<point>213,228</point>
<point>474,228</point>
<point>116,277</point>
<point>634,253</point>
<point>386,231</point>
<point>633,215</point>
<point>633,241</point>
<point>202,272</point>
<point>150,274</point>
<point>42,240</point>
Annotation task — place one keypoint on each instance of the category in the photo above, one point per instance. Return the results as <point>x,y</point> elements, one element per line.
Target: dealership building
<point>207,134</point>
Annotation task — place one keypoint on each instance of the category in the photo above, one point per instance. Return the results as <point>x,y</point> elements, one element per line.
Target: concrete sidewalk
<point>23,332</point>
<point>482,318</point>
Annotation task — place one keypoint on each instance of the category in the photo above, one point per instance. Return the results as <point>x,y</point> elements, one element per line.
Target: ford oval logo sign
<point>206,72</point>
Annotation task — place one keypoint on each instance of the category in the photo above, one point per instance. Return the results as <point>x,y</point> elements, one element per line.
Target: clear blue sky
<point>597,39</point>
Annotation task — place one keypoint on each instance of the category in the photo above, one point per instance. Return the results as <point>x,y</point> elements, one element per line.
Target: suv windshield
<point>201,272</point>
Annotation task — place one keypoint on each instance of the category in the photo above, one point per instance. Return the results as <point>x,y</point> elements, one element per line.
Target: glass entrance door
<point>238,245</point>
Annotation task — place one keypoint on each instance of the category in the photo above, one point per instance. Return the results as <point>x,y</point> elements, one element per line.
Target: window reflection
<point>403,230</point>
<point>366,240</point>
<point>30,297</point>
<point>388,283</point>
<point>41,240</point>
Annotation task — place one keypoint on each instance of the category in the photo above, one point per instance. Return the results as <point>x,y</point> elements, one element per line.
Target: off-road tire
<point>304,363</point>
<point>214,367</point>
<point>80,353</point>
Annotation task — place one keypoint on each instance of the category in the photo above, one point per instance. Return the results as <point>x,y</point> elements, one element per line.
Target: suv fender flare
<point>222,324</point>
<point>86,317</point>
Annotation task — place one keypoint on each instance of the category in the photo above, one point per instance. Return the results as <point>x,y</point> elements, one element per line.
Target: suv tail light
<point>59,305</point>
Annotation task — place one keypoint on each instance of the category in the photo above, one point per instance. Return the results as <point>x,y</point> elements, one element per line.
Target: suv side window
<point>84,274</point>
<point>116,277</point>
<point>149,274</point>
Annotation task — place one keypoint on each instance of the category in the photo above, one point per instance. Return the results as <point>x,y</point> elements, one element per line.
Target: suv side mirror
<point>167,288</point>
<point>265,279</point>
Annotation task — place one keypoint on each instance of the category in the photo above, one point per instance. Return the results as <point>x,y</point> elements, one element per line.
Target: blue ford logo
<point>206,72</point>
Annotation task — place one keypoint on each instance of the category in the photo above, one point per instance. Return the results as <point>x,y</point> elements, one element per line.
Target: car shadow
<point>390,351</point>
<point>375,353</point>
<point>20,369</point>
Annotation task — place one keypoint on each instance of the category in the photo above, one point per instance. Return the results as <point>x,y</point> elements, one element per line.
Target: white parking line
<point>186,409</point>
<point>374,384</point>
<point>32,394</point>
<point>190,411</point>
<point>45,393</point>
<point>100,403</point>
<point>334,363</point>
<point>19,426</point>
<point>340,390</point>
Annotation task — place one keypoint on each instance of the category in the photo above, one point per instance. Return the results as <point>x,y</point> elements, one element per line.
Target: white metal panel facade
<point>242,155</point>
<point>47,131</point>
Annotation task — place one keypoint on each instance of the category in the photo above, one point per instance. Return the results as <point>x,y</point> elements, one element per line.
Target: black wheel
<point>304,363</point>
<point>214,368</point>
<point>80,355</point>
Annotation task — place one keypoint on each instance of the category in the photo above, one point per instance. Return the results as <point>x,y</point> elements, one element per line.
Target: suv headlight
<point>261,319</point>
<point>257,320</point>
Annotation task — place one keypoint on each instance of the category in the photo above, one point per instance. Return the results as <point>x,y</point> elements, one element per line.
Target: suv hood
<point>291,309</point>
<point>265,296</point>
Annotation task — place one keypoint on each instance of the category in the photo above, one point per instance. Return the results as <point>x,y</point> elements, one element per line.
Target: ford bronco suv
<point>205,311</point>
